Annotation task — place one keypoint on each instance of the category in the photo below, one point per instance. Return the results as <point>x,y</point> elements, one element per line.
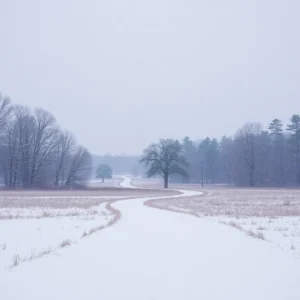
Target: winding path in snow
<point>153,254</point>
<point>126,182</point>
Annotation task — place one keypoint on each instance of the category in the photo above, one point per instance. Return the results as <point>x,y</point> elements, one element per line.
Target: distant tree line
<point>35,152</point>
<point>253,157</point>
<point>120,164</point>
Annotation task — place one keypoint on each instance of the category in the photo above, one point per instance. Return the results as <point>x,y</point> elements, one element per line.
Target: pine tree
<point>294,127</point>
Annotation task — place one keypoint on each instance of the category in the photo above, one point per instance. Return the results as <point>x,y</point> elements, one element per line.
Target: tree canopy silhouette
<point>104,172</point>
<point>164,159</point>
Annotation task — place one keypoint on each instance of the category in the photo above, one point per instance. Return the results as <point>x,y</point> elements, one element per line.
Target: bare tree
<point>44,142</point>
<point>165,158</point>
<point>80,166</point>
<point>5,113</point>
<point>9,154</point>
<point>34,151</point>
<point>64,149</point>
<point>248,136</point>
<point>5,110</point>
<point>24,122</point>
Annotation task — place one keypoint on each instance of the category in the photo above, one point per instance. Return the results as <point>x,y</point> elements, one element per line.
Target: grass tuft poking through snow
<point>65,243</point>
<point>235,225</point>
<point>256,235</point>
<point>63,232</point>
<point>261,228</point>
<point>293,246</point>
<point>15,260</point>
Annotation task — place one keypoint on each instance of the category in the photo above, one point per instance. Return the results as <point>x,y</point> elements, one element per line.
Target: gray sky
<point>121,74</point>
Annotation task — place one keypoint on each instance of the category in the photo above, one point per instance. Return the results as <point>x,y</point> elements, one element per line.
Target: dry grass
<point>235,225</point>
<point>251,233</point>
<point>261,210</point>
<point>257,235</point>
<point>281,229</point>
<point>46,214</point>
<point>293,246</point>
<point>63,200</point>
<point>239,203</point>
<point>43,252</point>
<point>65,243</point>
<point>16,260</point>
<point>53,203</point>
<point>32,214</point>
<point>88,193</point>
<point>261,228</point>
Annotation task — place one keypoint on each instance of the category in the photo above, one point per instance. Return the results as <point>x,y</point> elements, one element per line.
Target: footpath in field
<point>159,255</point>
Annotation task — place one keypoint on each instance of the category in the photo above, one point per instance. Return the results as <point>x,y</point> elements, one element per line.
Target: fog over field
<point>113,72</point>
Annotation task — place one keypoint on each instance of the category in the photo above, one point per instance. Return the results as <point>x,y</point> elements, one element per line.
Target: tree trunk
<point>298,171</point>
<point>251,179</point>
<point>166,181</point>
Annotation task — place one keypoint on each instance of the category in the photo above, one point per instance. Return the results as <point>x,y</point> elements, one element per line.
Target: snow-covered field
<point>150,254</point>
<point>283,232</point>
<point>271,215</point>
<point>36,223</point>
<point>32,232</point>
<point>107,183</point>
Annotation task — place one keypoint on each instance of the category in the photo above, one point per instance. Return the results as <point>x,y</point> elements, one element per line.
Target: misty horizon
<point>123,75</point>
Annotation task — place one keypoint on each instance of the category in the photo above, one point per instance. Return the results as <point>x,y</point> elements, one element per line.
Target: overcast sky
<point>121,74</point>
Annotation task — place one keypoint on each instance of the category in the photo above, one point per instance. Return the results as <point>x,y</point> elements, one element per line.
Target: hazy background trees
<point>121,164</point>
<point>253,157</point>
<point>34,152</point>
<point>104,172</point>
<point>294,144</point>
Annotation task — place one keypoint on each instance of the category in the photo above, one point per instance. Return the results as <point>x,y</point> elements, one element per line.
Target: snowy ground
<point>154,254</point>
<point>283,232</point>
<point>30,233</point>
<point>107,183</point>
<point>272,215</point>
<point>36,223</point>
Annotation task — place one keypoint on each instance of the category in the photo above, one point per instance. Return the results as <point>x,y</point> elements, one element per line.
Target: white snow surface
<point>283,232</point>
<point>159,255</point>
<point>126,182</point>
<point>23,237</point>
